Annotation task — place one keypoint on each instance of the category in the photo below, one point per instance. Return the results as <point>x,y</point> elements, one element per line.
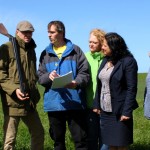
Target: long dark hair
<point>117,46</point>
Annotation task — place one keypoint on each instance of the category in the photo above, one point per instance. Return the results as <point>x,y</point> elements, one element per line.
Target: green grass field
<point>141,126</point>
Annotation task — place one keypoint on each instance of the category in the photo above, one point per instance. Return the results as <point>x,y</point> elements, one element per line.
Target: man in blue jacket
<point>65,104</point>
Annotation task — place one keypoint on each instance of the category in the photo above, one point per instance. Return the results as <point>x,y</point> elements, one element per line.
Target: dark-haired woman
<point>116,91</point>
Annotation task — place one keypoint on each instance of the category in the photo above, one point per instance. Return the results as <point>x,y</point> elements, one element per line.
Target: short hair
<point>59,26</point>
<point>100,34</point>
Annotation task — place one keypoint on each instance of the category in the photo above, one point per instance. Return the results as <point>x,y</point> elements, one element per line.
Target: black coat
<point>123,86</point>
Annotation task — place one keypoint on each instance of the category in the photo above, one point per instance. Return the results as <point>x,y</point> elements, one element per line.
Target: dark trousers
<point>76,120</point>
<point>93,130</point>
<point>93,124</point>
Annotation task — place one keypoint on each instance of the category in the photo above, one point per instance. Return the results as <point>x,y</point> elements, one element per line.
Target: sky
<point>129,18</point>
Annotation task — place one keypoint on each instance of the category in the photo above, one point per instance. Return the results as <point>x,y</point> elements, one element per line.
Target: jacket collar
<point>105,60</point>
<point>69,48</point>
<point>97,55</point>
<point>22,44</point>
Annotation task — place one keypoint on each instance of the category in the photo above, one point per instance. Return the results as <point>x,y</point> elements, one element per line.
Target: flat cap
<point>25,26</point>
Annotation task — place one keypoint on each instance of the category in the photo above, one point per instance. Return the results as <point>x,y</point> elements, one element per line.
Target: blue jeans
<point>104,147</point>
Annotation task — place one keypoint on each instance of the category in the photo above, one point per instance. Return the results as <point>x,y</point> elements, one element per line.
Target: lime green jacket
<point>94,60</point>
<point>9,79</point>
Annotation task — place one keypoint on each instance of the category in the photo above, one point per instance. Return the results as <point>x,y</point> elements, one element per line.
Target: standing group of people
<point>98,103</point>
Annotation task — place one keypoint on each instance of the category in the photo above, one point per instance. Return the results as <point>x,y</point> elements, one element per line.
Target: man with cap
<point>17,105</point>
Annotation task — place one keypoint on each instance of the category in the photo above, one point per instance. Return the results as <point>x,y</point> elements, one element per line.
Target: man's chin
<point>27,41</point>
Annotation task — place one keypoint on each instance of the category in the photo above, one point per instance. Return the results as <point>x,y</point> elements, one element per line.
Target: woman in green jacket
<point>94,57</point>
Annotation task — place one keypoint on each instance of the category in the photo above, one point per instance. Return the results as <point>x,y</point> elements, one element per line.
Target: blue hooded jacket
<point>73,59</point>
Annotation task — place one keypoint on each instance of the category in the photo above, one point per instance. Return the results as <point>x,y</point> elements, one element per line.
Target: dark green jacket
<point>9,79</point>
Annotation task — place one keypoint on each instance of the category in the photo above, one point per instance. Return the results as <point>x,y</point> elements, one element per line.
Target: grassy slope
<point>141,126</point>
